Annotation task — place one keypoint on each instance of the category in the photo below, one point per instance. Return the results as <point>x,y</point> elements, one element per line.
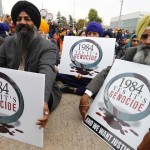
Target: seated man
<point>139,54</point>
<point>76,85</point>
<point>26,50</point>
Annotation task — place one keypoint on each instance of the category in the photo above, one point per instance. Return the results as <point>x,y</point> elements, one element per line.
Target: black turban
<point>29,8</point>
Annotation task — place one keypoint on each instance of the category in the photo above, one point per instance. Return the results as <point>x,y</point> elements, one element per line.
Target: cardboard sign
<point>120,112</point>
<point>49,16</point>
<point>86,55</point>
<point>43,12</point>
<point>21,104</point>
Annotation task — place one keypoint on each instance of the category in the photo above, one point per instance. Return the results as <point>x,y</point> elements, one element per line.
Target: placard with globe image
<point>85,55</point>
<point>120,112</point>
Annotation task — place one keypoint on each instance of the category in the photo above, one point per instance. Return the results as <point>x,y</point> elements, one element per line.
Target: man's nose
<point>22,21</point>
<point>91,35</point>
<point>136,43</point>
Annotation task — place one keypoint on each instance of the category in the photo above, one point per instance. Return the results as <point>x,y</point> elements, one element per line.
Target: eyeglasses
<point>144,36</point>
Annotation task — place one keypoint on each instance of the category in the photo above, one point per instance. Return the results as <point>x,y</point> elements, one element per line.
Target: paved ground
<point>64,131</point>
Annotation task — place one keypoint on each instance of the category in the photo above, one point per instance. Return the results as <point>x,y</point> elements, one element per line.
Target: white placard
<point>120,112</point>
<point>86,55</point>
<point>49,16</point>
<point>21,104</point>
<point>43,12</point>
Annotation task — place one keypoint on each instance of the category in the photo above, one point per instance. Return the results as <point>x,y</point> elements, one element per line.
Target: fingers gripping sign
<point>43,121</point>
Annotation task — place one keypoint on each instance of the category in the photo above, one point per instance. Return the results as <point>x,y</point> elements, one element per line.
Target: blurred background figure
<point>133,42</point>
<point>43,31</point>
<point>52,28</point>
<point>44,28</point>
<point>4,29</point>
<point>82,33</point>
<point>12,29</point>
<point>121,43</point>
<point>57,38</point>
<point>7,20</point>
<point>107,34</point>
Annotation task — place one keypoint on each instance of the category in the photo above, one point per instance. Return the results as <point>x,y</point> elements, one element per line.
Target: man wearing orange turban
<point>44,26</point>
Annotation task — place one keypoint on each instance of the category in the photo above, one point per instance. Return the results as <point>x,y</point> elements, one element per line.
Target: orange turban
<point>44,27</point>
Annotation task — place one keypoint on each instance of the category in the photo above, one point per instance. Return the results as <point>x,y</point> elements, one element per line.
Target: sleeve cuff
<point>88,92</point>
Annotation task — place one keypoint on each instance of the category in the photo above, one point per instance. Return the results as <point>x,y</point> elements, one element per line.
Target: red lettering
<point>140,107</point>
<point>14,107</point>
<point>85,57</point>
<point>119,97</point>
<point>115,94</point>
<point>131,103</point>
<point>111,93</point>
<point>9,106</point>
<point>1,104</point>
<point>127,101</point>
<point>135,105</point>
<point>74,56</point>
<point>123,99</point>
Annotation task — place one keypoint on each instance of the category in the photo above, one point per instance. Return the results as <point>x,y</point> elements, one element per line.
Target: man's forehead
<point>23,13</point>
<point>147,31</point>
<point>135,38</point>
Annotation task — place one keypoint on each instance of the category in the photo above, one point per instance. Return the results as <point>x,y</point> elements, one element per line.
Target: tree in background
<point>93,16</point>
<point>61,20</point>
<point>81,23</point>
<point>70,20</point>
<point>58,17</point>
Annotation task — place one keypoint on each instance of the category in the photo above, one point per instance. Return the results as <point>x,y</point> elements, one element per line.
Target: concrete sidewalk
<point>64,131</point>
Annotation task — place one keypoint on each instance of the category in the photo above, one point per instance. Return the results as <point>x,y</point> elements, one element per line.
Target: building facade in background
<point>127,22</point>
<point>1,8</point>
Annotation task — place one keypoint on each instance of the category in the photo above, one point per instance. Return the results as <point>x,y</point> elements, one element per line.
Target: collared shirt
<point>22,63</point>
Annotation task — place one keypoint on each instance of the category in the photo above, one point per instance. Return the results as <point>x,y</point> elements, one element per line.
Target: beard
<point>24,36</point>
<point>142,55</point>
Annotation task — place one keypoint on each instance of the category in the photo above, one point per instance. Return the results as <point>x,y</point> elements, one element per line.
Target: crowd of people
<point>37,47</point>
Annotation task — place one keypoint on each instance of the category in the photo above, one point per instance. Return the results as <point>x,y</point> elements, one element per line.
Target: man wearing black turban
<point>30,9</point>
<point>31,53</point>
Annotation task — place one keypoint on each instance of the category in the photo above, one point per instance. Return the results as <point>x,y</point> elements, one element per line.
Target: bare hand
<point>79,76</point>
<point>56,69</point>
<point>42,121</point>
<point>145,144</point>
<point>84,105</point>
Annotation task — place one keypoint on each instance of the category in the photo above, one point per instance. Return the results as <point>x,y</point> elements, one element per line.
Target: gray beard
<point>24,39</point>
<point>142,55</point>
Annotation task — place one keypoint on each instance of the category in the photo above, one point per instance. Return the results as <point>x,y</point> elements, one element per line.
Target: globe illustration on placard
<point>12,102</point>
<point>126,96</point>
<point>86,54</point>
